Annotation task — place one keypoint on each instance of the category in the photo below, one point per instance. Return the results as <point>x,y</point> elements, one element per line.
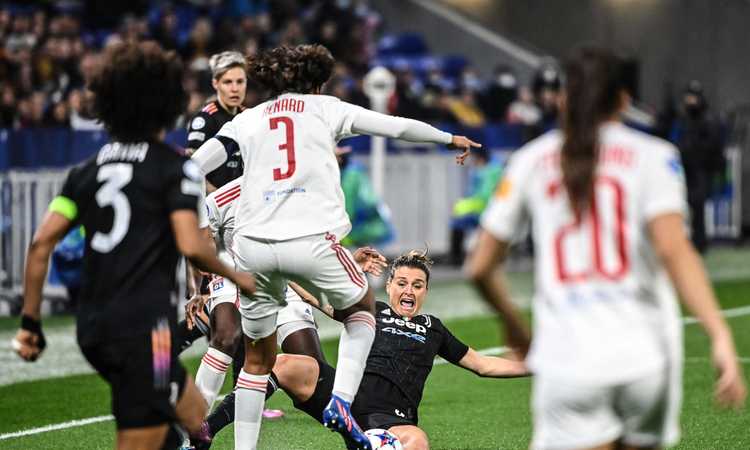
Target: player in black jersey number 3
<point>137,200</point>
<point>400,360</point>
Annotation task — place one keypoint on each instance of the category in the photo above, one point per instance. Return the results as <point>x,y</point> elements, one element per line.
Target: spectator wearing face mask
<point>699,138</point>
<point>499,94</point>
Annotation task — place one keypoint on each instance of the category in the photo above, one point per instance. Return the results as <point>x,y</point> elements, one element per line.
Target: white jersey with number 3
<point>291,184</point>
<point>604,309</point>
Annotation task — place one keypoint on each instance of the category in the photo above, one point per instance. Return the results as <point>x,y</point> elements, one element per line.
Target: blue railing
<point>50,147</point>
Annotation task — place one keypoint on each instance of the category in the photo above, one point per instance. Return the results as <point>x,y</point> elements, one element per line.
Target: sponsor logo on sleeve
<point>198,123</point>
<point>196,135</point>
<point>503,189</point>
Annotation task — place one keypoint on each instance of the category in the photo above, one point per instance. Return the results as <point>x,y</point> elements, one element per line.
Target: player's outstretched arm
<point>29,341</point>
<point>492,366</point>
<point>191,243</point>
<point>689,278</point>
<point>374,123</point>
<point>482,268</point>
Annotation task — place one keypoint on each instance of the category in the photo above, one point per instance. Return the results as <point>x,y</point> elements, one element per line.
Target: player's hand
<point>28,345</point>
<point>245,282</point>
<point>193,308</point>
<point>370,260</point>
<point>730,391</point>
<point>465,145</point>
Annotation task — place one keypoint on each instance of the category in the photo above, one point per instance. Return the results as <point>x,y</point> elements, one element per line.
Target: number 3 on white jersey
<point>115,177</point>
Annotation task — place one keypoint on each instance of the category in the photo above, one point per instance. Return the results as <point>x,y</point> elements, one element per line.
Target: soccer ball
<point>383,440</point>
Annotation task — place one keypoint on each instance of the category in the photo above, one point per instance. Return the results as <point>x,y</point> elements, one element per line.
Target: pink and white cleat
<point>272,414</point>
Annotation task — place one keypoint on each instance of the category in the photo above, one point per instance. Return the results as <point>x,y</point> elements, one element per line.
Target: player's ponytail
<point>593,89</point>
<point>416,259</point>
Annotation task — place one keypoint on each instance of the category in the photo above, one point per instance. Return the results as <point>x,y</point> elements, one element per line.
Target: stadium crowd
<point>48,51</point>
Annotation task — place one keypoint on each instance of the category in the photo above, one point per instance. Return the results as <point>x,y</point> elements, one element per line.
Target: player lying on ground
<point>296,333</point>
<point>136,199</point>
<point>401,358</point>
<point>607,205</point>
<point>296,328</point>
<point>291,217</point>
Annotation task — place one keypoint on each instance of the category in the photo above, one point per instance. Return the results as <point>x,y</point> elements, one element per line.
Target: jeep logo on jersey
<point>404,323</point>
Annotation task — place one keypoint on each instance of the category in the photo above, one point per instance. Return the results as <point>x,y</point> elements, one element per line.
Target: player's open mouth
<point>407,303</point>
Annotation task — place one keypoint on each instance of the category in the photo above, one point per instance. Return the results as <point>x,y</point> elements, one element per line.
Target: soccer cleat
<point>273,414</point>
<point>202,440</point>
<point>338,417</point>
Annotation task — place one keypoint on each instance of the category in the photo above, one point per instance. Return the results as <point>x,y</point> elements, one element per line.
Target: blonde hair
<point>220,63</point>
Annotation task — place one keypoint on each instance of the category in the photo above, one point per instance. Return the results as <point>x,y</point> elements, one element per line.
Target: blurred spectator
<point>499,93</point>
<point>525,112</point>
<point>80,119</point>
<point>370,218</point>
<point>57,116</point>
<point>7,106</point>
<point>483,179</point>
<point>698,136</point>
<point>546,90</point>
<point>165,32</point>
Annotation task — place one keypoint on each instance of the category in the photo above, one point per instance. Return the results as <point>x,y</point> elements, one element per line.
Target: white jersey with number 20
<point>604,309</point>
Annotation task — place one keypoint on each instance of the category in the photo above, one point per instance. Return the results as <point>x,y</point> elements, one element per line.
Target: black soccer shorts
<point>145,376</point>
<point>378,404</point>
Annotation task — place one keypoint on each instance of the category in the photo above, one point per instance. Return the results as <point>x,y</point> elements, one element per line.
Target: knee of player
<point>261,365</point>
<point>226,340</point>
<point>414,439</point>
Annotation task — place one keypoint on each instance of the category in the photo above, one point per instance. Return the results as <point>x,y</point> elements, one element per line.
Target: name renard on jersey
<point>284,105</point>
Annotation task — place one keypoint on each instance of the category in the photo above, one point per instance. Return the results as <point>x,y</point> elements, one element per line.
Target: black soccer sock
<point>185,336</point>
<point>222,416</point>
<point>175,436</point>
<point>272,386</point>
<point>238,361</point>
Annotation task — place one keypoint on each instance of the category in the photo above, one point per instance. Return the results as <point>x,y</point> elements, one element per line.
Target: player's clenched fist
<point>29,341</point>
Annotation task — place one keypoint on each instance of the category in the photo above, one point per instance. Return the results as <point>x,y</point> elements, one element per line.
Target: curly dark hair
<point>416,259</point>
<point>137,90</point>
<point>302,69</point>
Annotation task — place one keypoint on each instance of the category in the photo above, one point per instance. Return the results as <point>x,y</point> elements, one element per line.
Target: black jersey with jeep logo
<point>402,354</point>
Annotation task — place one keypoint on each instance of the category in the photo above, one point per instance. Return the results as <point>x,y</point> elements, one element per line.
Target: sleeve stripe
<point>64,206</point>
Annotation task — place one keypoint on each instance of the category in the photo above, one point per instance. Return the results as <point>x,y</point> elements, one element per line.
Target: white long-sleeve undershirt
<point>211,155</point>
<point>377,124</point>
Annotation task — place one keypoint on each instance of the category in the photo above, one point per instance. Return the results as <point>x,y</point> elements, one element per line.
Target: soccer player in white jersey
<point>607,209</point>
<point>296,329</point>
<point>291,217</point>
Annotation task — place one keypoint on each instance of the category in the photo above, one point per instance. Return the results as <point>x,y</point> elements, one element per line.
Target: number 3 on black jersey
<point>115,177</point>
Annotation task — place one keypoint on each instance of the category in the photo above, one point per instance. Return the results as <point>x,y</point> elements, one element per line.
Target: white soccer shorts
<point>643,413</point>
<point>296,315</point>
<point>318,263</point>
<point>222,290</point>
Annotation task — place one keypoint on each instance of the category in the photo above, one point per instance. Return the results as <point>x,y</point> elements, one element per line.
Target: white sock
<point>211,372</point>
<point>250,397</point>
<point>354,347</point>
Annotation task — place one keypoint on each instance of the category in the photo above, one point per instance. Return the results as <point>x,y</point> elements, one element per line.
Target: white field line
<point>492,351</point>
<point>55,427</point>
